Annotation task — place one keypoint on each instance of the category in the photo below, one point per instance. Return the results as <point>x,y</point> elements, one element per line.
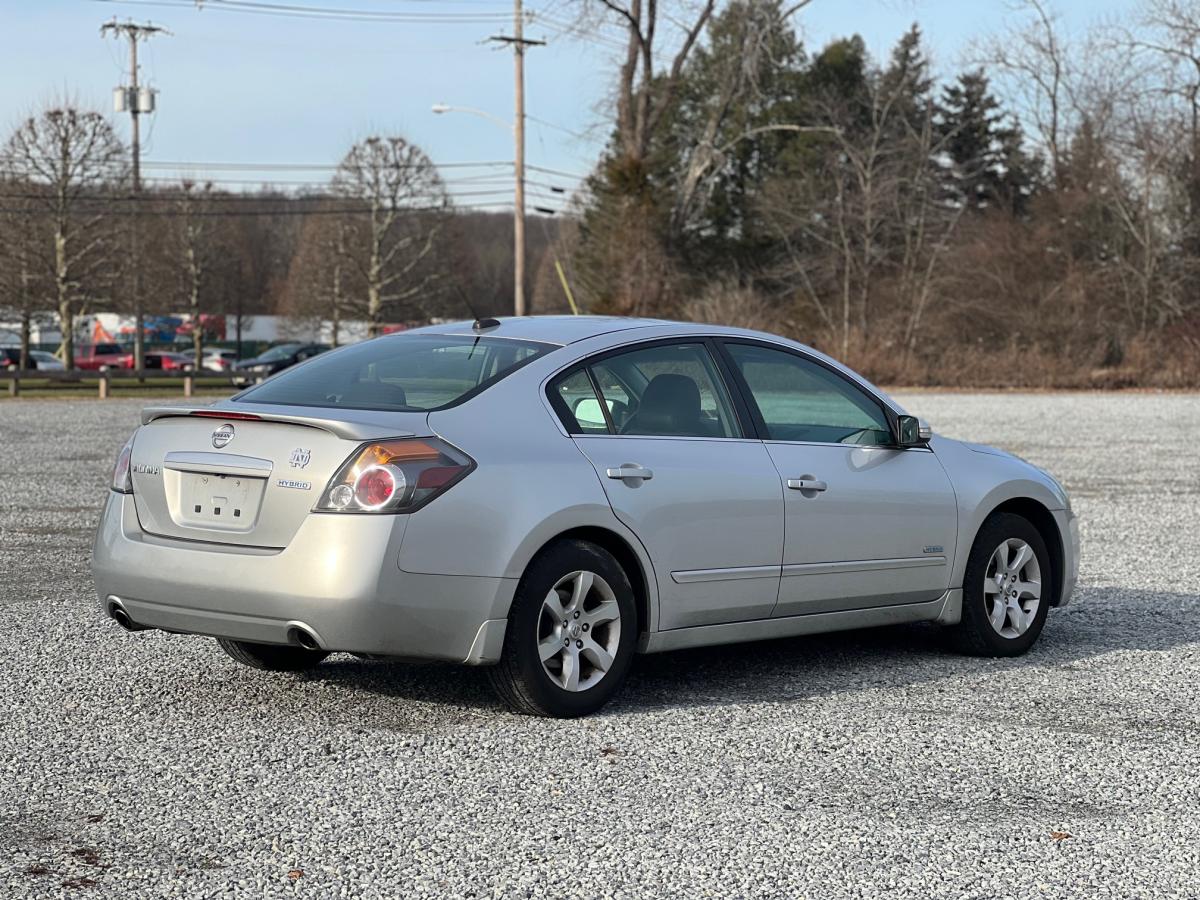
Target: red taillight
<point>398,475</point>
<point>375,486</point>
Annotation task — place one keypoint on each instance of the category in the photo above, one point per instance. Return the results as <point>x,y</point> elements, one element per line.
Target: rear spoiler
<point>373,426</point>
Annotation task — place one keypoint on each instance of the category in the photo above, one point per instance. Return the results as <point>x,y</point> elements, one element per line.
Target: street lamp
<point>517,129</point>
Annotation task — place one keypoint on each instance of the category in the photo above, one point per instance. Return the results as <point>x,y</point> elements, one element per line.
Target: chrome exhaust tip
<point>118,614</point>
<point>305,638</point>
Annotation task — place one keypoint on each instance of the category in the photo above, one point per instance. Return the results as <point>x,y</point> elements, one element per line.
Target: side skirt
<point>946,610</point>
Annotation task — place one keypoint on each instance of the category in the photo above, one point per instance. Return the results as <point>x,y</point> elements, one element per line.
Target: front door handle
<point>629,470</point>
<point>807,484</point>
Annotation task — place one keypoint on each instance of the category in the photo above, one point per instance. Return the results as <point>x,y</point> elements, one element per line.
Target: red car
<point>99,356</point>
<point>159,359</point>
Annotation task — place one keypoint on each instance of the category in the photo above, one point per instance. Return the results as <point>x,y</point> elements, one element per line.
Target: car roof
<point>548,329</point>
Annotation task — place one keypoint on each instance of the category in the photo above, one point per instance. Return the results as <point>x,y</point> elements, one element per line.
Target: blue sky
<point>249,88</point>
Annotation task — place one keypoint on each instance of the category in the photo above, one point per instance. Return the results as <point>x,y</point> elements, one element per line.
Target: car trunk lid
<point>249,478</point>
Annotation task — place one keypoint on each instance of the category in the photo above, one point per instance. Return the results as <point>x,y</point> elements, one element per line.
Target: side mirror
<point>588,413</point>
<point>911,431</point>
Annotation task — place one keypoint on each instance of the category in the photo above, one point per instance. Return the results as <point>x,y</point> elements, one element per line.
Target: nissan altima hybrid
<point>548,496</point>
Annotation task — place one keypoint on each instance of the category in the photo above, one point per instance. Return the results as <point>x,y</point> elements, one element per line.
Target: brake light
<point>399,475</point>
<point>377,485</point>
<point>218,414</point>
<point>122,481</point>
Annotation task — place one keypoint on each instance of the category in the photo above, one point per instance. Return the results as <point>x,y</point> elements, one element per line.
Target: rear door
<point>867,524</point>
<point>671,453</point>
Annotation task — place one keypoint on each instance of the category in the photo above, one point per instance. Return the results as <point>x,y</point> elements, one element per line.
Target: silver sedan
<point>549,496</point>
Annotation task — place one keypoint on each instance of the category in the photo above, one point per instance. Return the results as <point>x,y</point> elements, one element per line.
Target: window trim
<point>760,425</point>
<point>741,414</point>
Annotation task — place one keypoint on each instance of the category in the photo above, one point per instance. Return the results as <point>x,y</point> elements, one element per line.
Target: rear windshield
<point>409,372</point>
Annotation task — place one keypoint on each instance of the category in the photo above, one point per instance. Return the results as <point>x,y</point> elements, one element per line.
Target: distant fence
<point>105,378</point>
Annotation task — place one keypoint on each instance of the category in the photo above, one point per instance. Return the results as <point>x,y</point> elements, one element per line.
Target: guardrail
<point>106,377</point>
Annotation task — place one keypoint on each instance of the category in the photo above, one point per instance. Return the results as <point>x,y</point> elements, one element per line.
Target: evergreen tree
<point>908,84</point>
<point>987,167</point>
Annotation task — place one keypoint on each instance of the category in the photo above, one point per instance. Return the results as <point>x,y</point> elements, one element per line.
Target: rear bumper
<point>338,579</point>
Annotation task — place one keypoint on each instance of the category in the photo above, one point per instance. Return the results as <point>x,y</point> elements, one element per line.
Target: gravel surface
<point>834,766</point>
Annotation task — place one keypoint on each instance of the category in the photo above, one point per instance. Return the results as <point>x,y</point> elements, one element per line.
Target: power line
<point>498,206</point>
<point>297,11</point>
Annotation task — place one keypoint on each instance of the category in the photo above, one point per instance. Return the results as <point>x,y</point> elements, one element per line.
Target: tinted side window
<point>577,404</point>
<point>671,390</point>
<point>800,400</point>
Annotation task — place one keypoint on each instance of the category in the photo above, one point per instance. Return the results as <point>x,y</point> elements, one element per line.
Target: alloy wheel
<point>1012,588</point>
<point>579,631</point>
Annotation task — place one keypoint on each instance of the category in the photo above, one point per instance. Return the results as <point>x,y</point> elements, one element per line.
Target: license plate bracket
<point>217,502</point>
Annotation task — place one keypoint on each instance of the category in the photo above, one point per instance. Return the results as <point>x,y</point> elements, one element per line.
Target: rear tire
<point>1006,589</point>
<point>571,633</point>
<point>272,657</point>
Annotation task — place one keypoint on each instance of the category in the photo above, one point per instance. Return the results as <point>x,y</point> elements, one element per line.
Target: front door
<point>867,524</point>
<point>705,501</point>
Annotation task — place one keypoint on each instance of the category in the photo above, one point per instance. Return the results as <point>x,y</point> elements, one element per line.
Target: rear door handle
<point>629,470</point>
<point>807,484</point>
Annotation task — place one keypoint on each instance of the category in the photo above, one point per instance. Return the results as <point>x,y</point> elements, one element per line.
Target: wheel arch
<point>640,577</point>
<point>1040,517</point>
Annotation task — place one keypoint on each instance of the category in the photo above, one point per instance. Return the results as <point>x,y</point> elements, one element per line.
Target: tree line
<point>380,243</point>
<point>1033,219</point>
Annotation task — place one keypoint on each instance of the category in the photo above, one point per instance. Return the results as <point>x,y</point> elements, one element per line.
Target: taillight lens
<point>121,479</point>
<point>394,476</point>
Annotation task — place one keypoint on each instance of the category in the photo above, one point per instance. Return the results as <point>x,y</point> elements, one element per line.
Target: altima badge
<point>300,458</point>
<point>222,436</point>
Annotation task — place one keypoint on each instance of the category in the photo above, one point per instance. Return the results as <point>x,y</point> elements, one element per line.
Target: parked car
<point>99,356</point>
<point>46,362</point>
<point>276,359</point>
<point>160,359</point>
<point>548,496</point>
<point>216,359</point>
<point>10,358</point>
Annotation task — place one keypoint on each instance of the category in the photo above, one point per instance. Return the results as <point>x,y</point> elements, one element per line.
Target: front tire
<point>1006,589</point>
<point>272,657</point>
<point>571,633</point>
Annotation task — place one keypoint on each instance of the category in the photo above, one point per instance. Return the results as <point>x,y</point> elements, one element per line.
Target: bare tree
<point>643,93</point>
<point>398,204</point>
<point>20,291</point>
<point>759,27</point>
<point>70,160</point>
<point>1033,60</point>
<point>834,221</point>
<point>317,277</point>
<point>195,245</point>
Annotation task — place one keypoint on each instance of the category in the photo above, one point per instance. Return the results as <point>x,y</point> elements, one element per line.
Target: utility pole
<point>519,42</point>
<point>135,101</point>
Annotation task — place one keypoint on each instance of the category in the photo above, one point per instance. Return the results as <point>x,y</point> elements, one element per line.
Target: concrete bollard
<point>103,385</point>
<point>189,384</point>
<point>14,385</point>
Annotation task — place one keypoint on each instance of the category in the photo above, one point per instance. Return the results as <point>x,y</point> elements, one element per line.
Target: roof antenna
<point>462,295</point>
<point>483,324</point>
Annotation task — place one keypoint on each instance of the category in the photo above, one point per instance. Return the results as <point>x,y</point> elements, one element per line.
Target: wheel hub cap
<point>1012,588</point>
<point>579,631</point>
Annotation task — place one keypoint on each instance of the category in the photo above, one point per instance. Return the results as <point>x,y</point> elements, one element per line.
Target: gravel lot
<point>837,766</point>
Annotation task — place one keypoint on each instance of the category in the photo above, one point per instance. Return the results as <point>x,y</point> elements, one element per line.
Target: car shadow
<point>1100,620</point>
